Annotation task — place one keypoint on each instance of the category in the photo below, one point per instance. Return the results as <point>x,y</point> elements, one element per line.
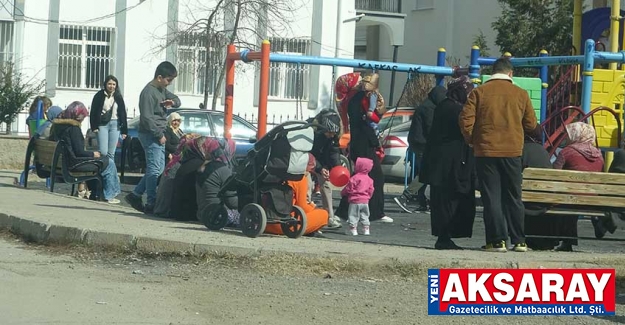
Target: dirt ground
<point>76,285</point>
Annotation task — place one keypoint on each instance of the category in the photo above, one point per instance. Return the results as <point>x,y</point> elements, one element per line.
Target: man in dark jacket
<point>325,149</point>
<point>419,130</point>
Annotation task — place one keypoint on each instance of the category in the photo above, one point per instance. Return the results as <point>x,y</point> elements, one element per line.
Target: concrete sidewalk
<point>55,218</point>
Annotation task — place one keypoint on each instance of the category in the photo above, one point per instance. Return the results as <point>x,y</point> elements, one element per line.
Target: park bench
<point>567,192</point>
<point>49,162</point>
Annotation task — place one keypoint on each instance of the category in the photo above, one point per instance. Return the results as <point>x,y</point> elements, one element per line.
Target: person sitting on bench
<point>579,154</point>
<point>66,128</point>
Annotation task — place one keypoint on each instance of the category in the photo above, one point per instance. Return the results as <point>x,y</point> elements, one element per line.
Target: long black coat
<point>450,172</point>
<point>449,161</point>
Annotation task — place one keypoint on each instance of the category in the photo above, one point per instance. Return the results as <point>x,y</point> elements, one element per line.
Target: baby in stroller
<point>261,181</point>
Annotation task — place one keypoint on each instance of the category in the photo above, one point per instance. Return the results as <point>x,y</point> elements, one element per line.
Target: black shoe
<point>402,202</point>
<point>134,201</point>
<point>446,244</point>
<point>599,229</point>
<point>564,247</point>
<point>148,209</point>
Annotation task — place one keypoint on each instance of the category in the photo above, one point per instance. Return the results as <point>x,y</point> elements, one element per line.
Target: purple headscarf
<point>459,89</point>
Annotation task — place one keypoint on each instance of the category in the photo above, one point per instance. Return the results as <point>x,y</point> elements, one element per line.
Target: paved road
<point>413,229</point>
<point>43,285</point>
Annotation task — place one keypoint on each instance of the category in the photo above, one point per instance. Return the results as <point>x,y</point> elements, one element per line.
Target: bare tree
<point>244,23</point>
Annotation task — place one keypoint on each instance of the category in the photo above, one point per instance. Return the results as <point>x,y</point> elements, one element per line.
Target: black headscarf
<point>458,89</point>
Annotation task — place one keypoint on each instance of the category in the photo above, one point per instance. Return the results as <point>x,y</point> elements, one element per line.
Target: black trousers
<point>500,180</point>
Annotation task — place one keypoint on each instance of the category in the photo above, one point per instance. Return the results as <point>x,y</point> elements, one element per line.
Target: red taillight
<point>393,142</point>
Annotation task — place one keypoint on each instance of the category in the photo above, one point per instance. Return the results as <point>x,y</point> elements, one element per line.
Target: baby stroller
<point>260,182</point>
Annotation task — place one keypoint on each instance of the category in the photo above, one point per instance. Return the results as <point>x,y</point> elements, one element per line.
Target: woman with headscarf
<point>184,197</point>
<point>211,177</point>
<point>315,218</point>
<point>365,143</point>
<point>579,154</point>
<point>166,186</point>
<point>43,131</point>
<point>66,128</point>
<point>450,168</point>
<point>173,133</point>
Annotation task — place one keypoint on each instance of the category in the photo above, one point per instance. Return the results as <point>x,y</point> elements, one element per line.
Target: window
<point>289,80</point>
<point>240,129</point>
<point>195,123</point>
<point>86,56</point>
<point>191,63</point>
<point>6,41</point>
<point>424,4</point>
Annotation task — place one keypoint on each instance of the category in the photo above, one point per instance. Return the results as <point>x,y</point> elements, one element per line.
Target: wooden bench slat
<point>573,176</point>
<point>576,212</point>
<point>556,198</point>
<point>573,188</point>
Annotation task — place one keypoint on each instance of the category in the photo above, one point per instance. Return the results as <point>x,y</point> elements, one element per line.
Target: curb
<point>42,233</point>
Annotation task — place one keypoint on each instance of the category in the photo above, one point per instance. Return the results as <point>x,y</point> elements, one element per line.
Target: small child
<point>359,190</point>
<point>373,101</point>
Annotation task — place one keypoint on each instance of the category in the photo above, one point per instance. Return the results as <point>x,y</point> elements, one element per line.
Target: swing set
<point>266,57</point>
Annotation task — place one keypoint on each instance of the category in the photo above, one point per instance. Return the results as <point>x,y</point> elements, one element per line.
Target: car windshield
<point>241,129</point>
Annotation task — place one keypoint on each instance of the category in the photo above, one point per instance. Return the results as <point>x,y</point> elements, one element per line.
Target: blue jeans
<point>154,166</point>
<point>108,136</point>
<point>111,180</point>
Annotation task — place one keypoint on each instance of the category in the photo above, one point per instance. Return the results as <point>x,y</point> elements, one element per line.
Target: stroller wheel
<point>253,220</point>
<point>215,217</point>
<point>295,227</point>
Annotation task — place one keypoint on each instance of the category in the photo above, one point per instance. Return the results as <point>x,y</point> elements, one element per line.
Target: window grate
<point>191,62</point>
<point>287,80</point>
<point>86,56</point>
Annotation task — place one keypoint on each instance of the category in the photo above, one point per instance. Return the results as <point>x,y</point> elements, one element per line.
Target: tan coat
<point>495,118</point>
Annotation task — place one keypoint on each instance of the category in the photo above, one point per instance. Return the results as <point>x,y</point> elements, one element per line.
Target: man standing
<point>154,101</point>
<point>417,137</point>
<point>494,121</point>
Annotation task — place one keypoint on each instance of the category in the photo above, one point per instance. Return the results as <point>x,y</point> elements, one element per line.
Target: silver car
<point>394,140</point>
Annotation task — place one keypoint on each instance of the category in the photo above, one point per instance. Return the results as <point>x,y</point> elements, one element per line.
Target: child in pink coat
<point>358,191</point>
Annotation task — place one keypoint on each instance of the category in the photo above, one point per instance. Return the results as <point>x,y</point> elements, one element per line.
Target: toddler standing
<point>358,191</point>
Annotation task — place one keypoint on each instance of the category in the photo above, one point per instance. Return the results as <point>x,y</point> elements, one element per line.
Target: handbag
<point>105,118</point>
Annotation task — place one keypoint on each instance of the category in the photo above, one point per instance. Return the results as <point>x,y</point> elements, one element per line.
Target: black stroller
<point>260,182</point>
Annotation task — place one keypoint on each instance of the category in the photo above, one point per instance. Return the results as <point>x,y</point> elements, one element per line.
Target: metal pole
<point>474,67</point>
<point>544,78</point>
<point>589,66</point>
<point>440,61</point>
<point>263,89</point>
<point>390,96</point>
<point>228,108</point>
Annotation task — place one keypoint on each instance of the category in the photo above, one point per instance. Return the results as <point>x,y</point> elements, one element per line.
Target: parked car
<point>394,140</point>
<point>204,122</point>
<point>395,117</point>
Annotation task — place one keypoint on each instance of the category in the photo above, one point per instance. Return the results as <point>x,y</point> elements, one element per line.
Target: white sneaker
<point>365,230</point>
<point>333,224</point>
<point>386,219</point>
<point>352,231</point>
<point>113,201</point>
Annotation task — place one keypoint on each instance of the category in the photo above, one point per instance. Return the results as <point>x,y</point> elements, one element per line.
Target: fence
<point>19,128</point>
<point>272,120</point>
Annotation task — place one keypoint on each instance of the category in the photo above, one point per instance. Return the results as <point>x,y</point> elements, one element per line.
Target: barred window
<point>86,56</point>
<point>6,41</point>
<point>289,80</point>
<point>191,64</point>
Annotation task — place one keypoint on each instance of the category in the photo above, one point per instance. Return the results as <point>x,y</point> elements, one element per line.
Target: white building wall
<point>449,24</point>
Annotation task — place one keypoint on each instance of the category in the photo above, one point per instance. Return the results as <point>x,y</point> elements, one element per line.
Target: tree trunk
<point>233,36</point>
